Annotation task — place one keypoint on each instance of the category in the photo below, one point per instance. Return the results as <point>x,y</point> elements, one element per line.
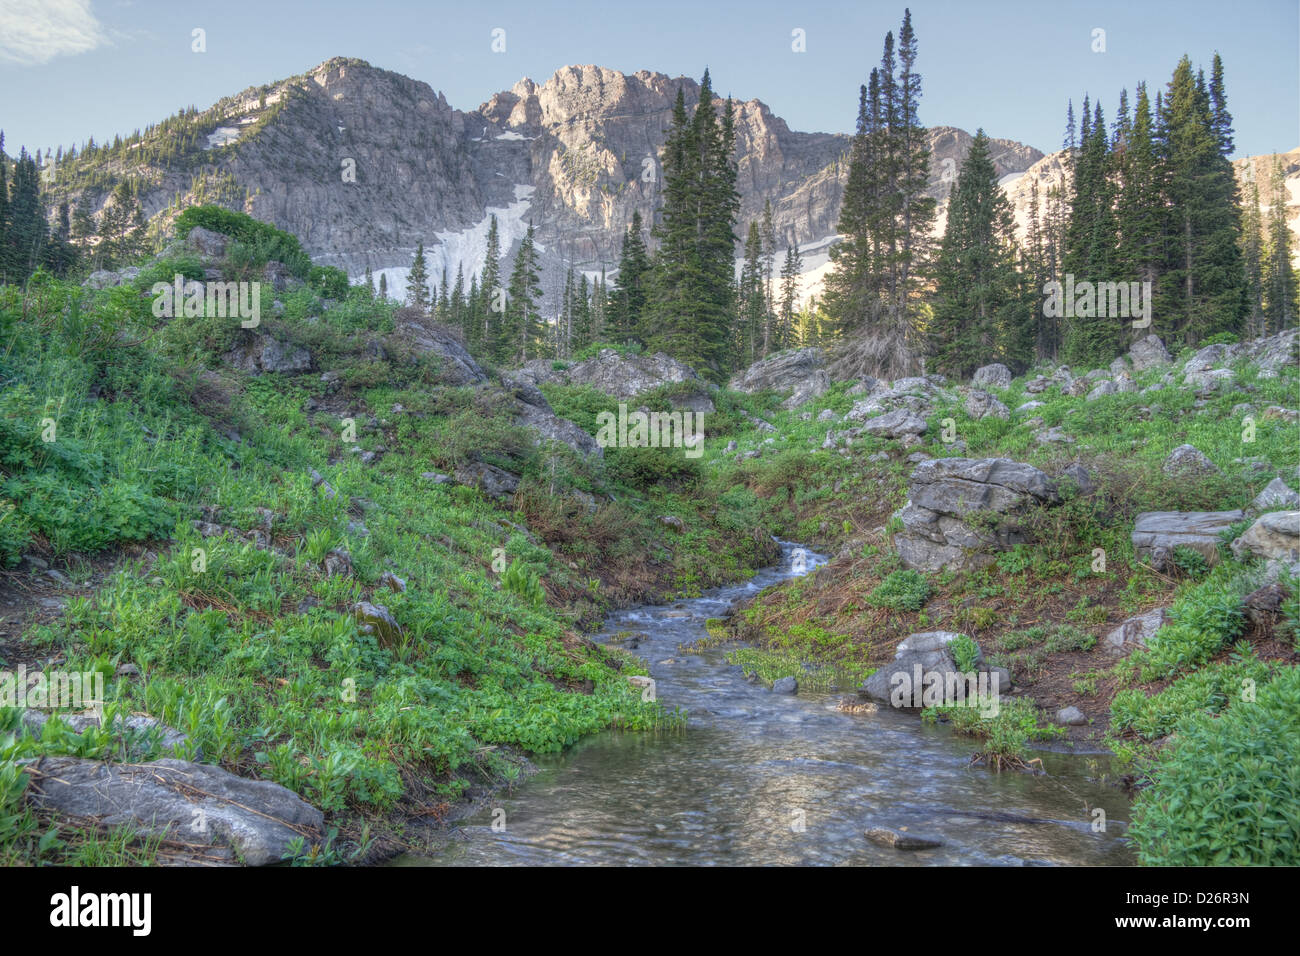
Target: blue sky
<point>74,68</point>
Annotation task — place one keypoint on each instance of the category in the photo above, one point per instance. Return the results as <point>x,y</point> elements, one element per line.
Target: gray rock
<point>895,424</point>
<point>1157,533</point>
<point>1188,461</point>
<point>673,522</point>
<point>996,375</point>
<point>425,336</point>
<point>1274,536</point>
<point>378,620</point>
<point>785,685</point>
<point>697,402</point>
<point>1102,389</point>
<point>437,477</point>
<point>1079,477</point>
<point>102,279</point>
<point>1055,435</point>
<point>206,242</point>
<point>1071,716</point>
<point>944,491</point>
<point>800,371</point>
<point>492,481</point>
<point>1276,495</point>
<point>338,562</point>
<point>1029,406</point>
<point>535,412</point>
<point>1136,631</point>
<point>1148,353</point>
<point>827,415</point>
<point>980,404</point>
<point>616,375</point>
<point>194,803</point>
<point>256,353</point>
<point>901,840</point>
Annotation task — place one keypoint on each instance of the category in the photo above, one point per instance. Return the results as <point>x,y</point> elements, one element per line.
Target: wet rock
<point>192,802</point>
<point>785,685</point>
<point>901,839</point>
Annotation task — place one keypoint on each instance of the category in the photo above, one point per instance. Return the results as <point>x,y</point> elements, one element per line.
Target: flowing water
<point>762,778</point>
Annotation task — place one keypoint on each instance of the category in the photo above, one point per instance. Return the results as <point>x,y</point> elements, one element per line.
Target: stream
<point>758,778</point>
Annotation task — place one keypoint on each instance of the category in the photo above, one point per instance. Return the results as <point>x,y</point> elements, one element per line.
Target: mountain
<point>576,155</point>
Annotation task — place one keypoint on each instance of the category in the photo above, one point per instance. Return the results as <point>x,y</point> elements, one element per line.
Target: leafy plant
<point>903,590</point>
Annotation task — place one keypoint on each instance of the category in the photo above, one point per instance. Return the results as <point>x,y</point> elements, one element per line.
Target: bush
<point>330,282</point>
<point>647,467</point>
<point>1223,793</point>
<point>905,590</point>
<point>965,652</point>
<point>261,240</point>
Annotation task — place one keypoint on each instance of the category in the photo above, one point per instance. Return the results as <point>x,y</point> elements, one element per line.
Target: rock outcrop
<point>619,376</point>
<point>962,511</point>
<point>1274,536</point>
<point>801,372</point>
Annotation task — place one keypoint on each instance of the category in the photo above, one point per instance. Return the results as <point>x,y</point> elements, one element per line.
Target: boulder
<point>256,353</point>
<point>917,395</point>
<point>980,404</point>
<point>102,279</point>
<point>1188,461</point>
<point>1274,536</point>
<point>1157,533</point>
<point>1148,353</point>
<point>996,375</point>
<point>945,492</point>
<point>207,243</point>
<point>895,424</point>
<point>1136,631</point>
<point>616,375</point>
<point>535,412</point>
<point>1029,406</point>
<point>492,481</point>
<point>425,336</point>
<point>1102,389</point>
<point>378,620</point>
<point>785,685</point>
<point>1077,476</point>
<point>786,371</point>
<point>193,803</point>
<point>1071,716</point>
<point>1276,495</point>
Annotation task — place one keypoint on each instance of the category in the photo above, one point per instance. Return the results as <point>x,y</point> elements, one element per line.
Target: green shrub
<point>648,467</point>
<point>1208,690</point>
<point>1224,792</point>
<point>904,590</point>
<point>965,652</point>
<point>518,579</point>
<point>259,241</point>
<point>328,281</point>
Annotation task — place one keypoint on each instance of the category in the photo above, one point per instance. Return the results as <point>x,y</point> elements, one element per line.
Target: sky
<point>70,69</point>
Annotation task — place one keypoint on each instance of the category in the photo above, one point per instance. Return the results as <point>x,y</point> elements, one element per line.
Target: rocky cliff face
<point>362,163</point>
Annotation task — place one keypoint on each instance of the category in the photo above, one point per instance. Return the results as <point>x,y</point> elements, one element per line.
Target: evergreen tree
<point>582,331</point>
<point>457,307</point>
<point>523,318</point>
<point>1203,289</point>
<point>754,328</point>
<point>1252,258</point>
<point>629,297</point>
<point>370,282</point>
<point>981,312</point>
<point>1279,274</point>
<point>790,271</point>
<point>383,287</point>
<point>1141,210</point>
<point>769,255</point>
<point>691,311</point>
<point>417,282</point>
<point>492,293</point>
<point>27,230</point>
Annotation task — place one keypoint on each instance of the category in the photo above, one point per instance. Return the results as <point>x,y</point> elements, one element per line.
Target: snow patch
<point>222,136</point>
<point>465,249</point>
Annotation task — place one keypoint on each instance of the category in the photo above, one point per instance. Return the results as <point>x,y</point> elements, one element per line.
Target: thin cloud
<point>36,31</point>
